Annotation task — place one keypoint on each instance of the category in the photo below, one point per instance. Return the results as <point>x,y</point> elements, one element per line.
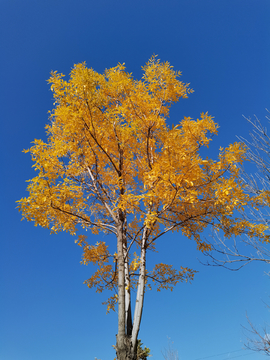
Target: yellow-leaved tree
<point>112,164</point>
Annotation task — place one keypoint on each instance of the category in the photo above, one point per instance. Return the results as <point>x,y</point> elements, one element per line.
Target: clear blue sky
<point>222,48</point>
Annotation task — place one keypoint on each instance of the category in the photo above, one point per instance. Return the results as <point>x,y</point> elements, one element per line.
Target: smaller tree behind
<point>234,255</point>
<point>258,340</point>
<point>170,353</point>
<point>258,154</point>
<point>256,183</point>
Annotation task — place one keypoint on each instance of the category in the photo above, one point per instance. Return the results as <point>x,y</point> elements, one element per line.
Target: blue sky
<point>222,49</point>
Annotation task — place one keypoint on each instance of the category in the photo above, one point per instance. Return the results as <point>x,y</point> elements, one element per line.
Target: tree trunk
<point>139,297</point>
<point>128,317</point>
<point>121,336</point>
<point>123,341</point>
<point>126,342</point>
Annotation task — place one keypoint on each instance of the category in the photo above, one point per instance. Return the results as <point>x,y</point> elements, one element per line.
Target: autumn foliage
<point>113,164</point>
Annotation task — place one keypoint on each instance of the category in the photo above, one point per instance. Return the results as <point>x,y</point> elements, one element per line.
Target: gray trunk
<point>140,294</point>
<point>121,346</point>
<point>126,343</point>
<point>124,349</point>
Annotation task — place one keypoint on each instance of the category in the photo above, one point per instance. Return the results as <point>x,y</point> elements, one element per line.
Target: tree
<point>235,256</point>
<point>259,340</point>
<point>112,164</point>
<point>170,353</point>
<point>142,353</point>
<point>259,154</point>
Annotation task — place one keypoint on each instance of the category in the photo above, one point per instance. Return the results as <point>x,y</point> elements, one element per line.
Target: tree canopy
<point>113,164</point>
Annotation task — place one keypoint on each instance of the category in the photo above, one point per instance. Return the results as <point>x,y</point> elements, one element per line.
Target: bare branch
<point>100,197</point>
<point>258,341</point>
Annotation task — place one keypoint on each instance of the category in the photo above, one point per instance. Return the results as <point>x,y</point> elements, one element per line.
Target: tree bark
<point>120,343</point>
<point>128,317</point>
<point>139,297</point>
<point>123,342</point>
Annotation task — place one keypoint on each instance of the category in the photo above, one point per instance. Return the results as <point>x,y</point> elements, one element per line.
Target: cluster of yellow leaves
<point>109,149</point>
<point>111,303</point>
<point>104,277</point>
<point>166,277</point>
